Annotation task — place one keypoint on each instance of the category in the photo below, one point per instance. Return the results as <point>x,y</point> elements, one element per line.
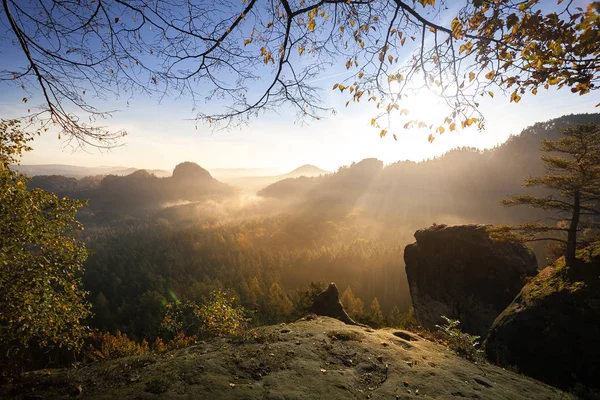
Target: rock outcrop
<point>327,304</point>
<point>320,358</point>
<point>551,331</point>
<point>459,272</point>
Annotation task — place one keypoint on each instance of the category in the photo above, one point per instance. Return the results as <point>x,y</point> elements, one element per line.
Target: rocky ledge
<point>320,358</point>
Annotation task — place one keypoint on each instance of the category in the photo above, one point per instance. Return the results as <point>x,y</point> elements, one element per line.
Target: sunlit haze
<point>160,135</point>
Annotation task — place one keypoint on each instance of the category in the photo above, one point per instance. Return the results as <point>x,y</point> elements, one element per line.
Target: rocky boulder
<point>551,331</point>
<point>459,272</point>
<point>327,304</point>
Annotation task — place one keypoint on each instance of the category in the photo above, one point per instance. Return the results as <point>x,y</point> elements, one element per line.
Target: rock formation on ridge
<point>459,272</point>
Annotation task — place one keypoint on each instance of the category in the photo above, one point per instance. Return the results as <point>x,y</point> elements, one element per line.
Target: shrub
<point>180,341</point>
<point>217,316</point>
<point>461,343</point>
<point>106,346</point>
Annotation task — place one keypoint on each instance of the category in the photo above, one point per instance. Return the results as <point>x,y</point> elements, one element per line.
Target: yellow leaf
<point>382,133</point>
<point>491,94</point>
<point>432,29</point>
<point>390,58</point>
<point>471,76</point>
<point>441,129</point>
<point>247,42</point>
<point>490,75</point>
<point>553,81</point>
<point>430,139</point>
<point>452,126</point>
<point>301,50</point>
<point>311,25</point>
<point>351,23</point>
<point>515,97</point>
<point>335,86</point>
<point>534,91</point>
<point>372,121</point>
<point>456,28</point>
<point>360,75</point>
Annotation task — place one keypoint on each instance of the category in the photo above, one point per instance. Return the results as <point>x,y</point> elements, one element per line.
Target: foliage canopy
<point>41,260</point>
<point>250,56</point>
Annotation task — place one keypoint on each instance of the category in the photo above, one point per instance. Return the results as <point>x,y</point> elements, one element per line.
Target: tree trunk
<point>572,237</point>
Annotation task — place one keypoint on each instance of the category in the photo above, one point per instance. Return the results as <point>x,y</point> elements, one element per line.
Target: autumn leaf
<point>301,50</point>
<point>382,133</point>
<point>515,97</point>
<point>456,28</point>
<point>471,76</point>
<point>490,75</point>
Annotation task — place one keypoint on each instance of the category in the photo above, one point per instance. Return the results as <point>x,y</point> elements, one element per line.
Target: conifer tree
<point>353,305</point>
<point>375,314</point>
<point>573,175</point>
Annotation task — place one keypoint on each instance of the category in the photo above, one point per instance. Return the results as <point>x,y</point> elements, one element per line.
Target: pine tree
<point>573,173</point>
<point>394,318</point>
<point>353,305</point>
<point>375,314</point>
<point>280,306</point>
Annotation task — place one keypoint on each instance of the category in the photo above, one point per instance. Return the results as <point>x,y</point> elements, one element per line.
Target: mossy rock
<point>551,331</point>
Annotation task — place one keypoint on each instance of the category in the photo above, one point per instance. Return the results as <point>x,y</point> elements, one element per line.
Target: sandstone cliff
<point>459,272</point>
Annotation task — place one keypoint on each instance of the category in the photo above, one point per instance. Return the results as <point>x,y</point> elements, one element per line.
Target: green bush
<point>41,263</point>
<point>461,343</point>
<point>216,316</point>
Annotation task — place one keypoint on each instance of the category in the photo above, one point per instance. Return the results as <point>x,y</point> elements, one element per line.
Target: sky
<point>163,134</point>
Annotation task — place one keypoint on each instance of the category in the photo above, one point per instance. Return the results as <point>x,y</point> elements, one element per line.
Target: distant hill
<point>305,170</point>
<point>74,171</point>
<point>464,185</point>
<point>139,191</point>
<point>257,182</point>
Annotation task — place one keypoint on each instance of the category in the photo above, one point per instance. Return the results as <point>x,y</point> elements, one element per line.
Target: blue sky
<point>160,135</point>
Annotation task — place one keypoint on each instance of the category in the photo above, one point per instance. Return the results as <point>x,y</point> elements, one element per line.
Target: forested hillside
<point>462,185</point>
<point>154,241</point>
